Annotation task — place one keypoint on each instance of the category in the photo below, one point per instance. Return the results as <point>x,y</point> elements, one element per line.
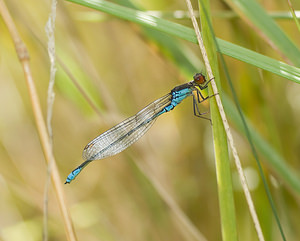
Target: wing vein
<point>127,132</point>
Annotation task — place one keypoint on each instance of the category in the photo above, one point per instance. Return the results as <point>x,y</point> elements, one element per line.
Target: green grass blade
<point>225,190</point>
<point>256,15</point>
<point>235,51</point>
<point>260,61</point>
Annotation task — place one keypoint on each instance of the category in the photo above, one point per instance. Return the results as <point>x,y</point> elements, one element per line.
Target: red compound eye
<point>199,79</point>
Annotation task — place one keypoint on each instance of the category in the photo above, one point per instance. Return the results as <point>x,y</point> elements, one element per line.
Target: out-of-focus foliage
<point>122,68</point>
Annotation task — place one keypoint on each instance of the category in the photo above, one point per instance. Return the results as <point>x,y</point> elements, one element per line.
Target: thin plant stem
<point>50,27</point>
<point>227,128</point>
<point>23,56</point>
<point>294,14</point>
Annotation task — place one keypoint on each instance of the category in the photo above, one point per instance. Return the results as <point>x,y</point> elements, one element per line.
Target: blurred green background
<point>141,193</point>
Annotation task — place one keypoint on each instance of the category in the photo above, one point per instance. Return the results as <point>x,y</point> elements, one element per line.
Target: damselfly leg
<point>199,99</point>
<point>197,111</point>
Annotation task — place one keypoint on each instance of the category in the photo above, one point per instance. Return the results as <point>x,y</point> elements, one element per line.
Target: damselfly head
<point>199,79</point>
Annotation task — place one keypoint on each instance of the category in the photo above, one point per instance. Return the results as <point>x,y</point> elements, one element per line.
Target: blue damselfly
<point>121,136</point>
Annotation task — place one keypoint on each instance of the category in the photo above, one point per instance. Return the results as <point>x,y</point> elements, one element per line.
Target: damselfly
<point>121,136</point>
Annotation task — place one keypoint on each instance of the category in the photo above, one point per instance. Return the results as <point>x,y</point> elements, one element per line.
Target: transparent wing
<point>121,136</point>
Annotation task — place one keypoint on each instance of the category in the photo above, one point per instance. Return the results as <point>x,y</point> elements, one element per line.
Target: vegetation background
<point>137,194</point>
